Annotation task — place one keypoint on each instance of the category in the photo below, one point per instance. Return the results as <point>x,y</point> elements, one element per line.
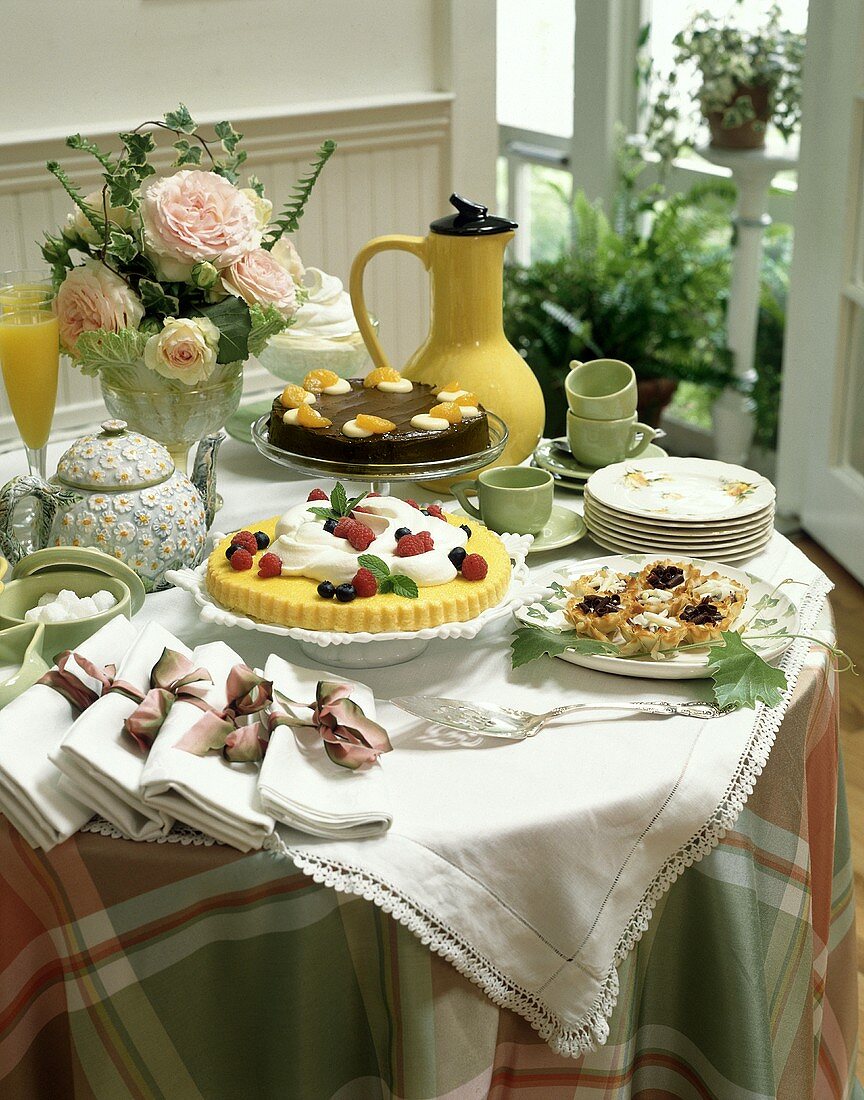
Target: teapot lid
<point>472,220</point>
<point>115,458</point>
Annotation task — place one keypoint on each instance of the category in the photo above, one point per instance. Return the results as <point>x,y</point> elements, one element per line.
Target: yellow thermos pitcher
<point>464,255</point>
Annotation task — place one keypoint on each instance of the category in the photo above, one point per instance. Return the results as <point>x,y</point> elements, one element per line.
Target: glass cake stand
<point>376,476</point>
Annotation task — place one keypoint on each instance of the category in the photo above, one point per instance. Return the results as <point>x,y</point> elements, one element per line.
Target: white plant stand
<point>752,172</point>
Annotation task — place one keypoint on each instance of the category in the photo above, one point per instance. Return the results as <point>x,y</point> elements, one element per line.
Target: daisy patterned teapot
<point>119,492</point>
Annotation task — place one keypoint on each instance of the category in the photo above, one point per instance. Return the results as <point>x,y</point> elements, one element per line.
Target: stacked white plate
<point>688,506</point>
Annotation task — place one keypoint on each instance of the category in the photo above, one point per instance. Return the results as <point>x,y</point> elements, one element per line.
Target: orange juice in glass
<point>30,358</point>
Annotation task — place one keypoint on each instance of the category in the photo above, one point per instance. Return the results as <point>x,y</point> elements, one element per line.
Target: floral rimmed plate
<point>362,649</point>
<point>677,489</point>
<point>768,610</point>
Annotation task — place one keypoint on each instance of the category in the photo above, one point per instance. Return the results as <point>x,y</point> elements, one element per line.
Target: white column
<point>752,171</point>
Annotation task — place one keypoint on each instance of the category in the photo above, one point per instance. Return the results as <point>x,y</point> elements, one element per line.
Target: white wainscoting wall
<point>391,174</point>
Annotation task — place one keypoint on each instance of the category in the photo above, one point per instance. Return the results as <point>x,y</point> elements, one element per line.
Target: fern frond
<point>289,219</point>
<point>75,195</point>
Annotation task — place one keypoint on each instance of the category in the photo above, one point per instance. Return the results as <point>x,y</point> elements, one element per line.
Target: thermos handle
<point>416,246</point>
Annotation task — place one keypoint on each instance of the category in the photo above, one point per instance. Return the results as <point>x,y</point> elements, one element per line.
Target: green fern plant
<point>289,219</point>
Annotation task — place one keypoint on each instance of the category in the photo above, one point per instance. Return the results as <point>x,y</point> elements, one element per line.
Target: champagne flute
<point>30,358</point>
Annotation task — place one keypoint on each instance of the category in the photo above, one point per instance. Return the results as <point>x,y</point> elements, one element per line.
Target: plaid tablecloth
<point>151,971</point>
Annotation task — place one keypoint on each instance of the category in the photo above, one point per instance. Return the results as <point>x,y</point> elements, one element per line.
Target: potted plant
<point>748,80</point>
<point>647,286</point>
<point>167,284</point>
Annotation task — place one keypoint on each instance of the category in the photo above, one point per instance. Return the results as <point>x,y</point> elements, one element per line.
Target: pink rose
<point>92,297</point>
<point>196,217</point>
<point>258,279</point>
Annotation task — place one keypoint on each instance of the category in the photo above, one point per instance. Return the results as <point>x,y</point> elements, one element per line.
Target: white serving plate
<point>677,489</point>
<point>692,544</point>
<point>693,529</point>
<point>693,664</point>
<point>637,547</point>
<point>365,650</point>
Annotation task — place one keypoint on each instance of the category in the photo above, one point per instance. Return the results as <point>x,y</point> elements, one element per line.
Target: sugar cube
<point>104,599</point>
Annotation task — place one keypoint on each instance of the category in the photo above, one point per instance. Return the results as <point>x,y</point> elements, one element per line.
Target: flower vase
<point>171,412</point>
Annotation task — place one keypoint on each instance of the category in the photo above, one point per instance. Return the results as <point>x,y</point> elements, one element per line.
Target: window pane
<point>535,65</point>
<point>550,211</point>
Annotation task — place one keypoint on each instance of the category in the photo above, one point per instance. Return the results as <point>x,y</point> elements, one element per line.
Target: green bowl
<point>20,595</point>
<point>21,646</point>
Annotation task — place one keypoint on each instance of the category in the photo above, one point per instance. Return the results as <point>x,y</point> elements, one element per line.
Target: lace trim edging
<point>593,1029</point>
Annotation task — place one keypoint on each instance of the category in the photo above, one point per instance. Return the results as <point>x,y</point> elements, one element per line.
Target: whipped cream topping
<point>426,423</point>
<point>451,395</point>
<point>342,386</point>
<point>307,550</point>
<point>353,430</point>
<point>326,314</point>
<point>469,411</point>
<point>404,385</point>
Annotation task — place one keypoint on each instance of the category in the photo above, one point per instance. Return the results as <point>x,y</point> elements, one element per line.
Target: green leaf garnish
<point>530,642</point>
<point>375,565</point>
<point>339,499</point>
<point>396,583</point>
<point>741,678</point>
<point>404,586</point>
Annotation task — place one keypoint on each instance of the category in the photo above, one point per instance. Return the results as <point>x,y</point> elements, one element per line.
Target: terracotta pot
<point>652,397</point>
<point>746,136</point>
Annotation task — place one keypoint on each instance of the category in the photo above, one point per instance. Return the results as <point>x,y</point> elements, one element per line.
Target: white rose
<point>184,350</point>
<point>119,215</point>
<point>287,256</point>
<point>263,207</point>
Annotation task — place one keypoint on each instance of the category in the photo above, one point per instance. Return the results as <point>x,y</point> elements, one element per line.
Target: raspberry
<point>269,566</point>
<point>317,494</point>
<point>428,541</point>
<point>364,583</point>
<point>373,494</point>
<point>474,567</point>
<point>358,534</point>
<point>241,559</point>
<point>411,545</point>
<point>435,510</point>
<point>247,540</point>
<point>413,503</point>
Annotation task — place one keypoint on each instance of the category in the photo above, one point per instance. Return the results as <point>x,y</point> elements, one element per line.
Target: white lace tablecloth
<point>532,866</point>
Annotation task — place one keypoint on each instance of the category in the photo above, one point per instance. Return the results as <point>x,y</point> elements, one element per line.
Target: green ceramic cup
<point>604,389</point>
<point>514,499</point>
<point>600,442</point>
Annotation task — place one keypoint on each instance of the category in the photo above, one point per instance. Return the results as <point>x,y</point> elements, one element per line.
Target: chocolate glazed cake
<point>405,445</point>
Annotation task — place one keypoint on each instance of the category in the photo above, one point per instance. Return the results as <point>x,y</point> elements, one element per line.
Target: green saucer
<point>239,426</point>
<point>549,456</point>
<point>564,527</point>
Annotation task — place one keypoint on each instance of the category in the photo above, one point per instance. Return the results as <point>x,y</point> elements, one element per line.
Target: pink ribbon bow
<point>350,738</point>
<point>71,687</point>
<point>248,694</point>
<point>171,679</point>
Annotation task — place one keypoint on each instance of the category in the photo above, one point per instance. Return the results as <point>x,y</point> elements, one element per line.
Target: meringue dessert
<point>382,419</point>
<point>372,564</point>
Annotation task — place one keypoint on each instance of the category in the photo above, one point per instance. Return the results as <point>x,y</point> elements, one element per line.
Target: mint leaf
<point>404,586</point>
<point>741,678</point>
<point>354,501</point>
<point>339,499</point>
<point>323,513</point>
<point>231,317</point>
<point>181,120</point>
<point>378,568</point>
<point>530,642</point>
<point>385,585</point>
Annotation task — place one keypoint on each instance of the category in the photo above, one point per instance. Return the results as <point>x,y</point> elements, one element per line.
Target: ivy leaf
<point>404,586</point>
<point>101,349</point>
<point>227,135</point>
<point>156,300</point>
<point>257,186</point>
<point>530,642</point>
<point>378,568</point>
<point>231,317</point>
<point>186,153</point>
<point>741,678</point>
<point>266,322</point>
<point>181,120</point>
<point>122,246</point>
<point>122,188</point>
<point>138,146</point>
<point>339,499</point>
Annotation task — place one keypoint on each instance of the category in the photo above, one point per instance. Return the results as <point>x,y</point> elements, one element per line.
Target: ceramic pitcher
<point>464,255</point>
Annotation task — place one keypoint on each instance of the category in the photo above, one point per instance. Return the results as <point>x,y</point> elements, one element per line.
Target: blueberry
<point>326,590</point>
<point>229,550</point>
<point>466,529</point>
<point>345,593</point>
<point>329,526</point>
<point>262,540</point>
<point>401,532</point>
<point>457,555</point>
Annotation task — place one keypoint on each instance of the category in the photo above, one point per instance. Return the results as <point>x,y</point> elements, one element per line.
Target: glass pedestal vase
<point>170,412</point>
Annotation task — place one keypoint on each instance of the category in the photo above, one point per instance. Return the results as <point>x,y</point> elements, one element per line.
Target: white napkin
<point>103,763</point>
<point>31,728</point>
<point>299,784</point>
<point>207,792</point>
